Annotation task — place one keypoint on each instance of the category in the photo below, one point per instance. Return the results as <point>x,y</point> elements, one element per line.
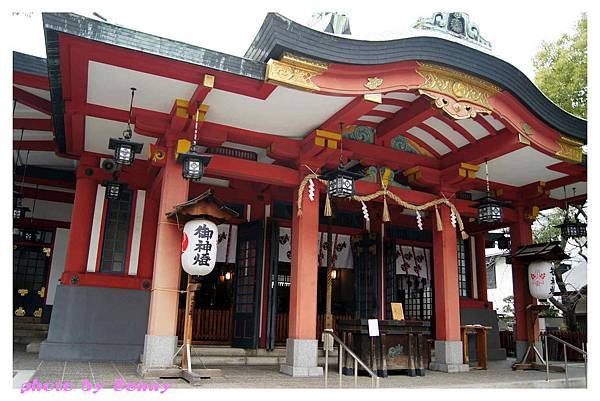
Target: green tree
<point>561,70</point>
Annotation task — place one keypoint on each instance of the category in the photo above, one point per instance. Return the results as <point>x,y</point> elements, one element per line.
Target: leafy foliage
<point>561,70</point>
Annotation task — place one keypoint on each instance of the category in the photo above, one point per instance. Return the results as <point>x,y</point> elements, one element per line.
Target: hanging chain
<point>196,127</point>
<point>127,132</point>
<point>487,178</point>
<point>341,143</point>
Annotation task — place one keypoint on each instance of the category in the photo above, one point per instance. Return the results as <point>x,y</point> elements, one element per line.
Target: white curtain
<point>342,252</point>
<point>413,261</point>
<point>227,243</point>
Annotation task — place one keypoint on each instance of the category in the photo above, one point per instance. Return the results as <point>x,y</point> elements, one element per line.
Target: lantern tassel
<point>438,219</point>
<point>386,213</point>
<point>327,211</point>
<point>464,235</point>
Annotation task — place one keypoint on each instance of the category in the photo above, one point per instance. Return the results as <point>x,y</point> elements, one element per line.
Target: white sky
<point>516,29</point>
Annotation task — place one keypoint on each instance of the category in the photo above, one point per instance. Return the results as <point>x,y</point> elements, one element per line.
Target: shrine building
<point>378,167</point>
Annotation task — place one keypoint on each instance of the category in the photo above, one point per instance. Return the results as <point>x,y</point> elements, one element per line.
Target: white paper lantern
<point>541,279</point>
<point>199,247</point>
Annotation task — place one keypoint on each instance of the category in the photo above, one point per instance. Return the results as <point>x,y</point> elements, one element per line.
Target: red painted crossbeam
<point>33,124</point>
<point>30,100</point>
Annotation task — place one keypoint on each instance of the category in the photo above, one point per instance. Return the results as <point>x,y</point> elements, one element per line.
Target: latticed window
<point>464,268</point>
<point>116,233</point>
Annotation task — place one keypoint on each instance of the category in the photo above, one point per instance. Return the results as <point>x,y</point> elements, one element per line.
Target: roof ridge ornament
<point>457,24</point>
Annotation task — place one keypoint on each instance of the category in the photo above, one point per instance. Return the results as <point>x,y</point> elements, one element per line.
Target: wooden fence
<point>214,326</point>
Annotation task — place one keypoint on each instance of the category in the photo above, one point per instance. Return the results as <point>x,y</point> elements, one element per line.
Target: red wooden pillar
<point>520,234</point>
<point>448,345</point>
<point>81,219</point>
<point>302,343</point>
<point>148,238</point>
<point>480,266</point>
<point>161,340</point>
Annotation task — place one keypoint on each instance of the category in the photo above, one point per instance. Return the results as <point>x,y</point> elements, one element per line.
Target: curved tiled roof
<point>278,34</point>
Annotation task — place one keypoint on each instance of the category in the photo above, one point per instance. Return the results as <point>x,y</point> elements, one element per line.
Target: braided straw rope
<point>385,193</point>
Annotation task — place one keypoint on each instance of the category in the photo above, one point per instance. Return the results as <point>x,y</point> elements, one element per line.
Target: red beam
<point>33,124</point>
<point>488,127</point>
<point>348,114</point>
<point>370,154</point>
<point>44,146</point>
<point>33,81</point>
<point>458,128</point>
<point>47,195</point>
<point>405,119</point>
<point>47,182</point>
<point>198,97</point>
<point>489,147</point>
<point>439,136</point>
<point>31,100</point>
<point>233,168</point>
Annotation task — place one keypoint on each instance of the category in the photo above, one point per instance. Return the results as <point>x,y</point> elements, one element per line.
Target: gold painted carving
<point>468,170</point>
<point>23,291</point>
<point>20,312</point>
<point>569,149</point>
<point>373,83</point>
<point>42,292</point>
<point>532,215</point>
<point>295,71</point>
<point>38,312</point>
<point>458,94</point>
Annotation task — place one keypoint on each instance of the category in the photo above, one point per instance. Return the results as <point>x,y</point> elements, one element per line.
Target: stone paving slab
<point>499,375</point>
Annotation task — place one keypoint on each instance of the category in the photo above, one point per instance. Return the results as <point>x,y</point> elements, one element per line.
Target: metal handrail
<point>357,360</point>
<point>565,345</point>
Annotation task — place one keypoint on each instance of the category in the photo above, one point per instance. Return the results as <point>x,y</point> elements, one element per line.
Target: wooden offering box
<point>401,346</point>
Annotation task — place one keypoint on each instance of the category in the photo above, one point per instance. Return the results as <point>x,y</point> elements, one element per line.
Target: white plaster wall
<point>59,254</point>
<point>49,210</point>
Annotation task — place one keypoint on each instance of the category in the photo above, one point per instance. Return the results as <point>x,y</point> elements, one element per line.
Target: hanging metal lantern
<point>125,149</point>
<point>193,164</point>
<point>340,182</point>
<point>19,212</point>
<point>489,210</point>
<point>113,189</point>
<point>571,229</point>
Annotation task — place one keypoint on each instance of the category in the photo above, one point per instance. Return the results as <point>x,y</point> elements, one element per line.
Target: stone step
<point>201,361</point>
<point>223,351</point>
<point>29,326</point>
<point>30,333</point>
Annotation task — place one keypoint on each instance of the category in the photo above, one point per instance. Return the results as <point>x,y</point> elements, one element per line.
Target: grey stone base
<point>521,347</point>
<point>158,352</point>
<point>96,324</point>
<point>449,368</point>
<point>448,357</point>
<point>301,358</point>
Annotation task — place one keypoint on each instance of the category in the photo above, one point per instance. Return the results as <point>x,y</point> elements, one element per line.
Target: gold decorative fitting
<point>533,213</point>
<point>295,71</point>
<point>327,138</point>
<point>42,292</point>
<point>458,94</point>
<point>20,312</point>
<point>38,312</point>
<point>47,251</point>
<point>468,170</point>
<point>23,291</point>
<point>209,81</point>
<point>373,97</point>
<point>373,83</point>
<point>569,149</point>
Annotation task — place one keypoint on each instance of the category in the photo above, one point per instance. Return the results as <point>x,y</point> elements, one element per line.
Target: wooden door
<point>366,251</point>
<point>247,285</point>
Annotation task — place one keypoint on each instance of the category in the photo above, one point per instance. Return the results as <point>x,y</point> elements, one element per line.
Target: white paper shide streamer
<point>452,218</point>
<point>311,190</point>
<point>419,220</point>
<point>365,211</point>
